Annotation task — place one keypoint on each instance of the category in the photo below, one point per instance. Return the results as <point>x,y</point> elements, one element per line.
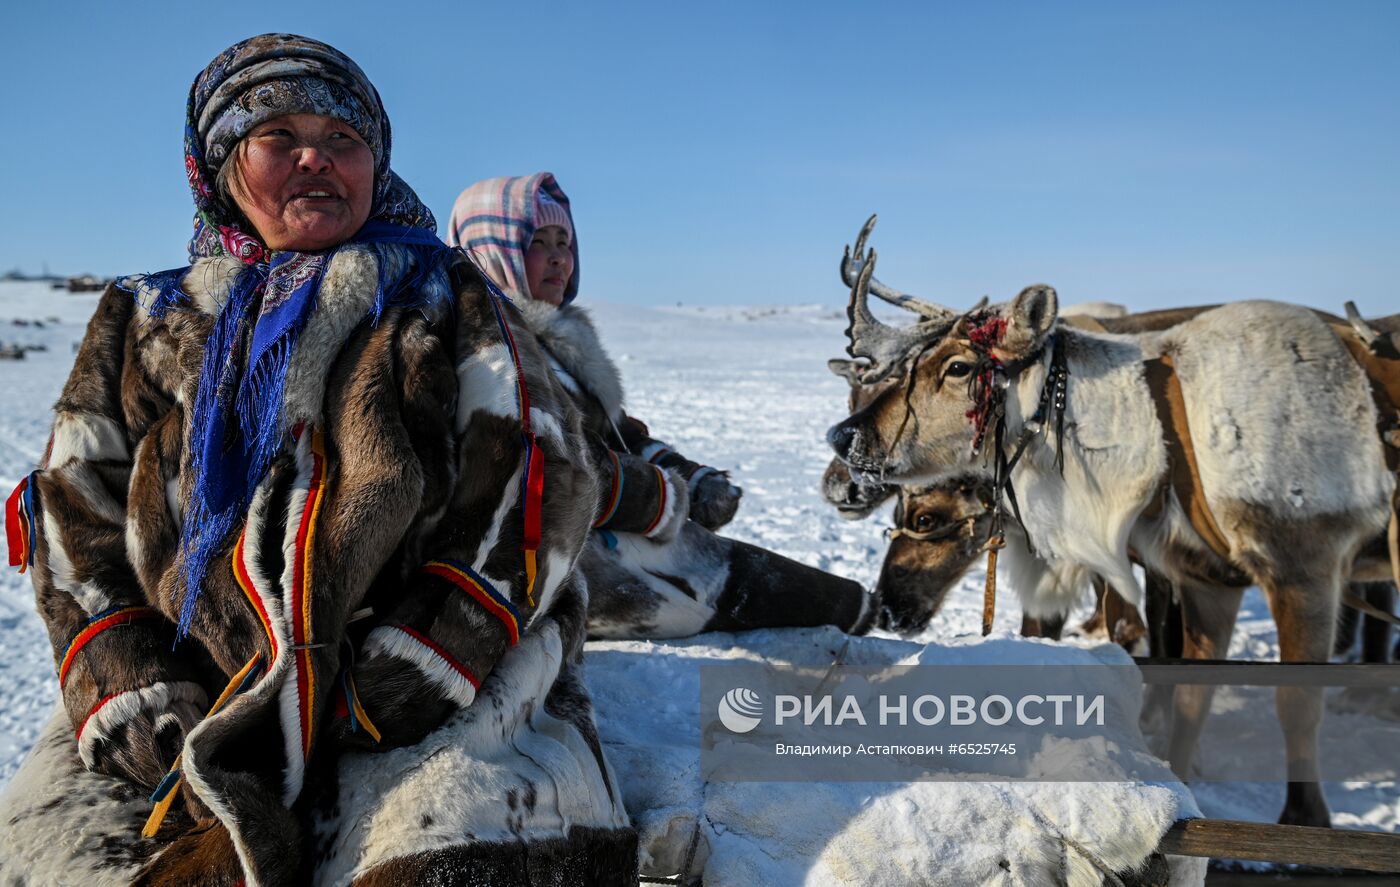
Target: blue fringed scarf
<point>237,425</point>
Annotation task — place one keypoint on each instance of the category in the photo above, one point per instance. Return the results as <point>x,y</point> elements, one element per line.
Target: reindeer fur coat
<point>372,618</point>
<point>653,567</point>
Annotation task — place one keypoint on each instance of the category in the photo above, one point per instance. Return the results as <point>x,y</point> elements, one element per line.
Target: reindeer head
<point>939,534</point>
<point>855,496</point>
<point>930,422</point>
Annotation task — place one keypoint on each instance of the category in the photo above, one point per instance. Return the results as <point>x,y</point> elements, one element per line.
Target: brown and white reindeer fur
<point>1282,418</point>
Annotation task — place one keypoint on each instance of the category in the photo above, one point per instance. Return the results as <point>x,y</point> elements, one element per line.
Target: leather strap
<point>1183,474</point>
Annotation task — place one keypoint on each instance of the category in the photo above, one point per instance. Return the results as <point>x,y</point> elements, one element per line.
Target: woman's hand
<point>713,499</point>
<point>143,748</point>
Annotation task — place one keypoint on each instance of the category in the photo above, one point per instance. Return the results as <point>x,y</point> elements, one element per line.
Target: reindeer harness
<point>987,388</point>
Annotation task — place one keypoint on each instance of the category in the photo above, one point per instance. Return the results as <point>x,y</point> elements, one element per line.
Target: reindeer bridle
<point>900,349</point>
<point>938,534</point>
<point>981,331</point>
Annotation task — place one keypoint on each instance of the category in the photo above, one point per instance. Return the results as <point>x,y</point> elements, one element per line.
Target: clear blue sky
<point>1148,153</point>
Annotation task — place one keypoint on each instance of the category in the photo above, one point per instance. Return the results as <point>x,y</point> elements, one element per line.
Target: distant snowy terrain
<point>741,388</point>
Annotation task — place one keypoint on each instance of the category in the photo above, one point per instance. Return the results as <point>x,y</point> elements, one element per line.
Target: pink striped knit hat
<point>549,212</point>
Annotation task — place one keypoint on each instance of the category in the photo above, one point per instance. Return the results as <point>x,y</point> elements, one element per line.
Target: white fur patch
<point>1280,412</point>
<point>65,824</point>
<point>155,700</point>
<point>207,284</point>
<point>692,554</point>
<point>675,488</point>
<point>565,377</point>
<point>253,560</point>
<point>651,450</point>
<point>392,641</point>
<point>1114,460</point>
<point>345,298</point>
<point>486,381</point>
<point>172,501</point>
<point>493,532</point>
<point>87,437</point>
<point>545,425</point>
<point>555,569</point>
<point>464,770</point>
<point>89,595</point>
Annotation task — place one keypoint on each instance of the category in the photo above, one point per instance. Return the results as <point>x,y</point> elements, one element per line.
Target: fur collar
<point>568,334</point>
<point>345,299</point>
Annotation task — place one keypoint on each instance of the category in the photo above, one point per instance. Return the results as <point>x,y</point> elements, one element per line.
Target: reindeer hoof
<point>1305,805</point>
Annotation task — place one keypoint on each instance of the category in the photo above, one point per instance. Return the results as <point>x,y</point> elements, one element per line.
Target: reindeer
<point>939,528</point>
<point>1237,447</point>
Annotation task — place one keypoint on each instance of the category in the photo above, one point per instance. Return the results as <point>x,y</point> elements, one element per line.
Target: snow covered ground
<point>741,388</point>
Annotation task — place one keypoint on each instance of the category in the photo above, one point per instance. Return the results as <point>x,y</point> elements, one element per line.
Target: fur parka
<point>376,598</point>
<point>653,566</point>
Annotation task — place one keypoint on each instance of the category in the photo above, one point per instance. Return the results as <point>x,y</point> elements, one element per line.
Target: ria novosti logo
<point>740,710</point>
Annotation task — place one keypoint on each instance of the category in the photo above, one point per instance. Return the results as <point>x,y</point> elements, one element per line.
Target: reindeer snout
<point>841,436</point>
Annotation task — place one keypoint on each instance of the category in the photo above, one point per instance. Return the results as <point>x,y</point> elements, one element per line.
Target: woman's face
<point>305,181</point>
<point>549,263</point>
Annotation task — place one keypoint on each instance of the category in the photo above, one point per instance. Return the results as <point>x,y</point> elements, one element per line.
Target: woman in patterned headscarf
<point>306,526</point>
<point>653,566</point>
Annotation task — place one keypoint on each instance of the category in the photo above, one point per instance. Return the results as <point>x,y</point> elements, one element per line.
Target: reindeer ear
<point>1029,320</point>
<point>849,370</point>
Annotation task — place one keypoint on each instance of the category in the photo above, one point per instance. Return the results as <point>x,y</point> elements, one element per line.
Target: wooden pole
<point>1298,844</point>
<point>1243,673</point>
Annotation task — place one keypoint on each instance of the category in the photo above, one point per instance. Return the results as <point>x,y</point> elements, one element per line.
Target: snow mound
<point>647,696</point>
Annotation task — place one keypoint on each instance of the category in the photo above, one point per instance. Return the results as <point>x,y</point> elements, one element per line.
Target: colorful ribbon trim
<point>301,591</point>
<point>481,591</point>
<point>347,705</point>
<point>109,618</point>
<point>92,711</point>
<point>442,654</point>
<point>165,792</point>
<point>19,523</point>
<point>533,480</point>
<point>661,505</point>
<point>697,474</point>
<point>245,581</point>
<point>616,496</point>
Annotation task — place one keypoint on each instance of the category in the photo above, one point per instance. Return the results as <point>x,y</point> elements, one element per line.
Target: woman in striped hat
<point>654,567</point>
<point>303,540</point>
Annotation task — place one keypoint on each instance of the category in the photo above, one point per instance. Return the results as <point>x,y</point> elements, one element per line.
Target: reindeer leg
<point>1042,626</point>
<point>1097,620</point>
<point>1207,618</point>
<point>1347,618</point>
<point>1164,635</point>
<point>1305,614</point>
<point>1375,633</point>
<point>1164,641</point>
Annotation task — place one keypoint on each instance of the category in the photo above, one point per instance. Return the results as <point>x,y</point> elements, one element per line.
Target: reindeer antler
<point>851,270</point>
<point>886,347</point>
<point>1371,337</point>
